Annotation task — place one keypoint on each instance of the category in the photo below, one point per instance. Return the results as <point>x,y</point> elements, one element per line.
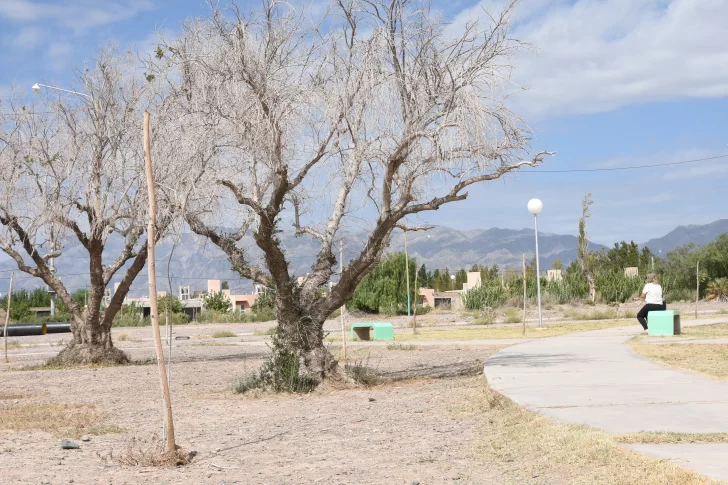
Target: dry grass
<point>71,421</point>
<point>665,437</point>
<point>224,334</point>
<point>709,359</point>
<point>267,331</point>
<point>6,395</point>
<point>12,344</point>
<point>719,330</point>
<point>147,452</point>
<point>398,346</point>
<point>505,332</point>
<point>543,451</point>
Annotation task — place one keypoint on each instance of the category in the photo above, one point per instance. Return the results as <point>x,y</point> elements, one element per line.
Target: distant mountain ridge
<point>196,260</point>
<point>682,235</point>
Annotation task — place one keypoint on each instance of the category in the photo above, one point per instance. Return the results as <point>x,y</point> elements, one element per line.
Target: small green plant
<point>247,382</point>
<point>267,331</point>
<point>513,316</point>
<point>486,317</point>
<point>224,334</point>
<point>398,346</point>
<point>363,375</point>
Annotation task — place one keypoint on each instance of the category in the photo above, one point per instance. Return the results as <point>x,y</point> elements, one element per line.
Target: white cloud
<point>28,38</point>
<point>599,55</point>
<point>80,15</point>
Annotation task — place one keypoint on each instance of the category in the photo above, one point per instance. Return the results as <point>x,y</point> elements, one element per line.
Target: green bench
<point>372,331</point>
<point>665,322</point>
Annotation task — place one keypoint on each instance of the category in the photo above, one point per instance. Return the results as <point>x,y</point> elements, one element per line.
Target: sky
<point>607,84</point>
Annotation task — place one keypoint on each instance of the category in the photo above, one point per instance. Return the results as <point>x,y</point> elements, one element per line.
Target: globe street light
<point>36,89</point>
<point>535,207</point>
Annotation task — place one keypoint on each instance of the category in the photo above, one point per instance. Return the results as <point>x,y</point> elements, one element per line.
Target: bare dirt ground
<point>400,432</point>
<point>409,430</point>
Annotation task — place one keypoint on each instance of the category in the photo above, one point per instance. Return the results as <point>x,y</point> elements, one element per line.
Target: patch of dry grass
<point>267,331</point>
<point>64,420</point>
<point>224,334</point>
<point>8,395</point>
<point>537,449</point>
<point>147,452</point>
<point>719,330</point>
<point>486,333</point>
<point>12,344</point>
<point>666,437</point>
<point>709,359</point>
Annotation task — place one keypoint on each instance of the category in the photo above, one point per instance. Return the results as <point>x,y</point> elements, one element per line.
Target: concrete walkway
<point>594,378</point>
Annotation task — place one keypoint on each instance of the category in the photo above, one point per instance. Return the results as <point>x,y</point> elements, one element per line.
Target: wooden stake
<point>151,237</point>
<point>7,315</point>
<point>523,274</point>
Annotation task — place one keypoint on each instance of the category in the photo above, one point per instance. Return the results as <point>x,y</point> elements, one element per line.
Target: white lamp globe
<point>36,88</point>
<point>535,206</point>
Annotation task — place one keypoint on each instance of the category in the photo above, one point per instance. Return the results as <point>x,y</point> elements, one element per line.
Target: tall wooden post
<point>151,238</point>
<point>7,315</point>
<point>523,274</point>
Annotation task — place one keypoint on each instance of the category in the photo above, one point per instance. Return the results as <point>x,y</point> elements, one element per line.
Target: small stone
<point>217,450</point>
<point>69,445</point>
<point>371,399</point>
<point>191,455</point>
<point>85,438</point>
<point>415,483</point>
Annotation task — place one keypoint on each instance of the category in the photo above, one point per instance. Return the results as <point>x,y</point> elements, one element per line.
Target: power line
<point>634,167</point>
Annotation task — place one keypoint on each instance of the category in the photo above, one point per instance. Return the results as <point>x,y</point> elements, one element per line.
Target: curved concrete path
<point>594,378</point>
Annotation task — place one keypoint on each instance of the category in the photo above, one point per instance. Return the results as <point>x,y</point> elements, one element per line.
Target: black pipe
<point>24,330</point>
<point>58,327</point>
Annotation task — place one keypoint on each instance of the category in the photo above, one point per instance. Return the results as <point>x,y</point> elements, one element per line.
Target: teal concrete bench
<point>666,322</point>
<point>372,331</point>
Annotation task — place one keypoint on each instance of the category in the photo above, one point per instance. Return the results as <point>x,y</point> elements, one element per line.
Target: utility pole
<point>653,264</point>
<point>343,307</point>
<point>151,240</point>
<point>523,274</point>
<point>7,315</point>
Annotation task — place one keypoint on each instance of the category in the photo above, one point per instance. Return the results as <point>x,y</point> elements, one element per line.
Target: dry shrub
<point>65,420</point>
<point>147,452</point>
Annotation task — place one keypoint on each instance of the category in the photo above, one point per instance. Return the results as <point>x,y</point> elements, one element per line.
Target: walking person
<point>653,298</point>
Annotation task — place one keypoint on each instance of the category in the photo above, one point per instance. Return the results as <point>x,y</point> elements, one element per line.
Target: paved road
<point>594,378</point>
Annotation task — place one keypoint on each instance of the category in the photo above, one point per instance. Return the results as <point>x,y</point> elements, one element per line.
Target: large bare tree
<point>72,172</point>
<point>377,112</point>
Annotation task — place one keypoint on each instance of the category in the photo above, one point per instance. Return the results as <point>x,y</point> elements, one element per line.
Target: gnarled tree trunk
<point>91,342</point>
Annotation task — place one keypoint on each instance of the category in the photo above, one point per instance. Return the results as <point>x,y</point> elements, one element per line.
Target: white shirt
<point>653,293</point>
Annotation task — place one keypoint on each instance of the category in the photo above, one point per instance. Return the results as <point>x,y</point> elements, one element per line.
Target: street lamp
<point>406,269</point>
<point>535,207</point>
<point>36,89</point>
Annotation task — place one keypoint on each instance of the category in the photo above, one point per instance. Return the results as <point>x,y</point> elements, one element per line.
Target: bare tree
<point>585,259</point>
<point>72,172</point>
<point>373,114</point>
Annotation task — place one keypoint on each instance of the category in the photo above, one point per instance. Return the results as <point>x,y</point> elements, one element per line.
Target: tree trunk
<point>91,342</point>
<point>302,332</point>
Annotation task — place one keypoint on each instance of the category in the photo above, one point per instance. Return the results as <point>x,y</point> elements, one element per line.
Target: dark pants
<point>649,307</point>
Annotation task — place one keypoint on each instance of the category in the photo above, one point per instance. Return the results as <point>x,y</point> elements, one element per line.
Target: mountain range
<point>193,260</point>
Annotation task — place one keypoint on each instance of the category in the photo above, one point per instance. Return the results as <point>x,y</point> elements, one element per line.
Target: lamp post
<point>406,269</point>
<point>535,206</point>
<point>36,89</point>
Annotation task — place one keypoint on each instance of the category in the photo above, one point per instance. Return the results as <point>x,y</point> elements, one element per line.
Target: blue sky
<point>614,83</point>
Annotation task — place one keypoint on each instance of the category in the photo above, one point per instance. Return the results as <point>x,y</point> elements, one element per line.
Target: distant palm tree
<point>718,289</point>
